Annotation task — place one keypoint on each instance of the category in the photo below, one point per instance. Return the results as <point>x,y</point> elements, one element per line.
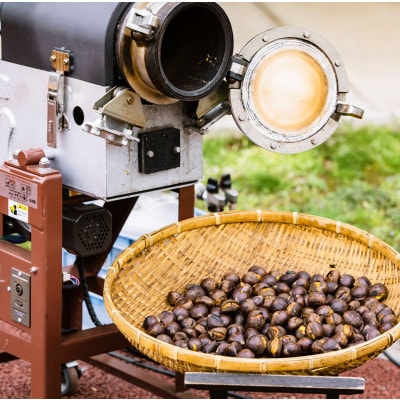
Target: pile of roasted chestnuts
<point>272,314</point>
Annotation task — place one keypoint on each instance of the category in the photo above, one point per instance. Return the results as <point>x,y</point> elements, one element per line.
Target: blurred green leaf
<point>353,177</point>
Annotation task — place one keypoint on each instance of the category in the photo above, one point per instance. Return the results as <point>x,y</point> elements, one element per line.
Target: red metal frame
<point>43,343</point>
<point>39,344</point>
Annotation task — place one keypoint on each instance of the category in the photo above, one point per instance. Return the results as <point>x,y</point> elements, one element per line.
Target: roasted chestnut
<point>255,319</point>
<point>378,291</point>
<point>288,278</point>
<point>198,311</point>
<point>150,320</point>
<point>291,349</point>
<point>194,291</point>
<point>346,280</point>
<point>232,276</point>
<point>258,270</point>
<point>280,317</point>
<point>227,286</point>
<point>339,306</point>
<point>208,284</point>
<point>333,276</point>
<point>173,296</point>
<point>246,353</point>
<point>230,306</point>
<point>274,347</point>
<point>257,344</point>
<point>155,329</point>
<point>194,344</point>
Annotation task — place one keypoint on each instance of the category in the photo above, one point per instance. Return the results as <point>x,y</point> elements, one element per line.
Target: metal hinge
<point>238,69</point>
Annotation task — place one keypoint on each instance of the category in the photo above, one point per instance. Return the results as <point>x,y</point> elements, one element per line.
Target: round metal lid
<point>286,84</point>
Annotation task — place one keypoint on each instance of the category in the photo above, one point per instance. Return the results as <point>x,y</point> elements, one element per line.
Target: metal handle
<point>350,111</point>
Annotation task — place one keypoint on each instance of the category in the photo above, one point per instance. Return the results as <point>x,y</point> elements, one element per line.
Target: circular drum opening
<point>192,51</point>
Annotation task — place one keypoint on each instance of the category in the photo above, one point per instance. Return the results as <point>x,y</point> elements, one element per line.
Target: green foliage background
<point>354,177</point>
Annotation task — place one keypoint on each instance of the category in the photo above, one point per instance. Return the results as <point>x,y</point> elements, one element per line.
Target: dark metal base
<point>219,384</point>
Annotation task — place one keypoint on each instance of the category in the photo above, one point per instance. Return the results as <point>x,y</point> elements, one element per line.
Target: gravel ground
<point>381,382</point>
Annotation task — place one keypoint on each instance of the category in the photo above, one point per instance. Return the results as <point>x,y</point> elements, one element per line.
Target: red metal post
<point>32,195</point>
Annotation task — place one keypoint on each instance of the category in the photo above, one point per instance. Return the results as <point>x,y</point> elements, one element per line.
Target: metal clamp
<point>56,117</point>
<point>142,22</point>
<point>61,61</point>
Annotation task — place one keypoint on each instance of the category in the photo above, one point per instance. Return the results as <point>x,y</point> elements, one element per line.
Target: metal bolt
<point>53,58</point>
<point>19,273</point>
<point>314,141</point>
<point>129,100</point>
<point>8,289</point>
<point>44,162</point>
<point>273,146</point>
<point>150,154</point>
<point>306,34</point>
<point>66,61</point>
<point>242,117</point>
<point>34,270</point>
<point>338,63</point>
<point>177,149</point>
<point>265,38</point>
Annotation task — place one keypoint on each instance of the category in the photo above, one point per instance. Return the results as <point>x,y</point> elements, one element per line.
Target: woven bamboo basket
<point>137,283</point>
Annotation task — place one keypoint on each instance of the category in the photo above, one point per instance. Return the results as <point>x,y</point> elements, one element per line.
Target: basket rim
<point>314,362</point>
<point>237,216</point>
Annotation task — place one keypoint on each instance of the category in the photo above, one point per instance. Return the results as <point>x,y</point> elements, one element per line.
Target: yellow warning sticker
<point>18,210</point>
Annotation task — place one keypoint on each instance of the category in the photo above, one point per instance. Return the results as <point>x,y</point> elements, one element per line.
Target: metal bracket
<point>120,110</point>
<point>210,109</point>
<point>61,60</point>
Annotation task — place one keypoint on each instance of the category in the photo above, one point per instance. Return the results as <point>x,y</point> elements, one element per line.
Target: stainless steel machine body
<point>90,164</point>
